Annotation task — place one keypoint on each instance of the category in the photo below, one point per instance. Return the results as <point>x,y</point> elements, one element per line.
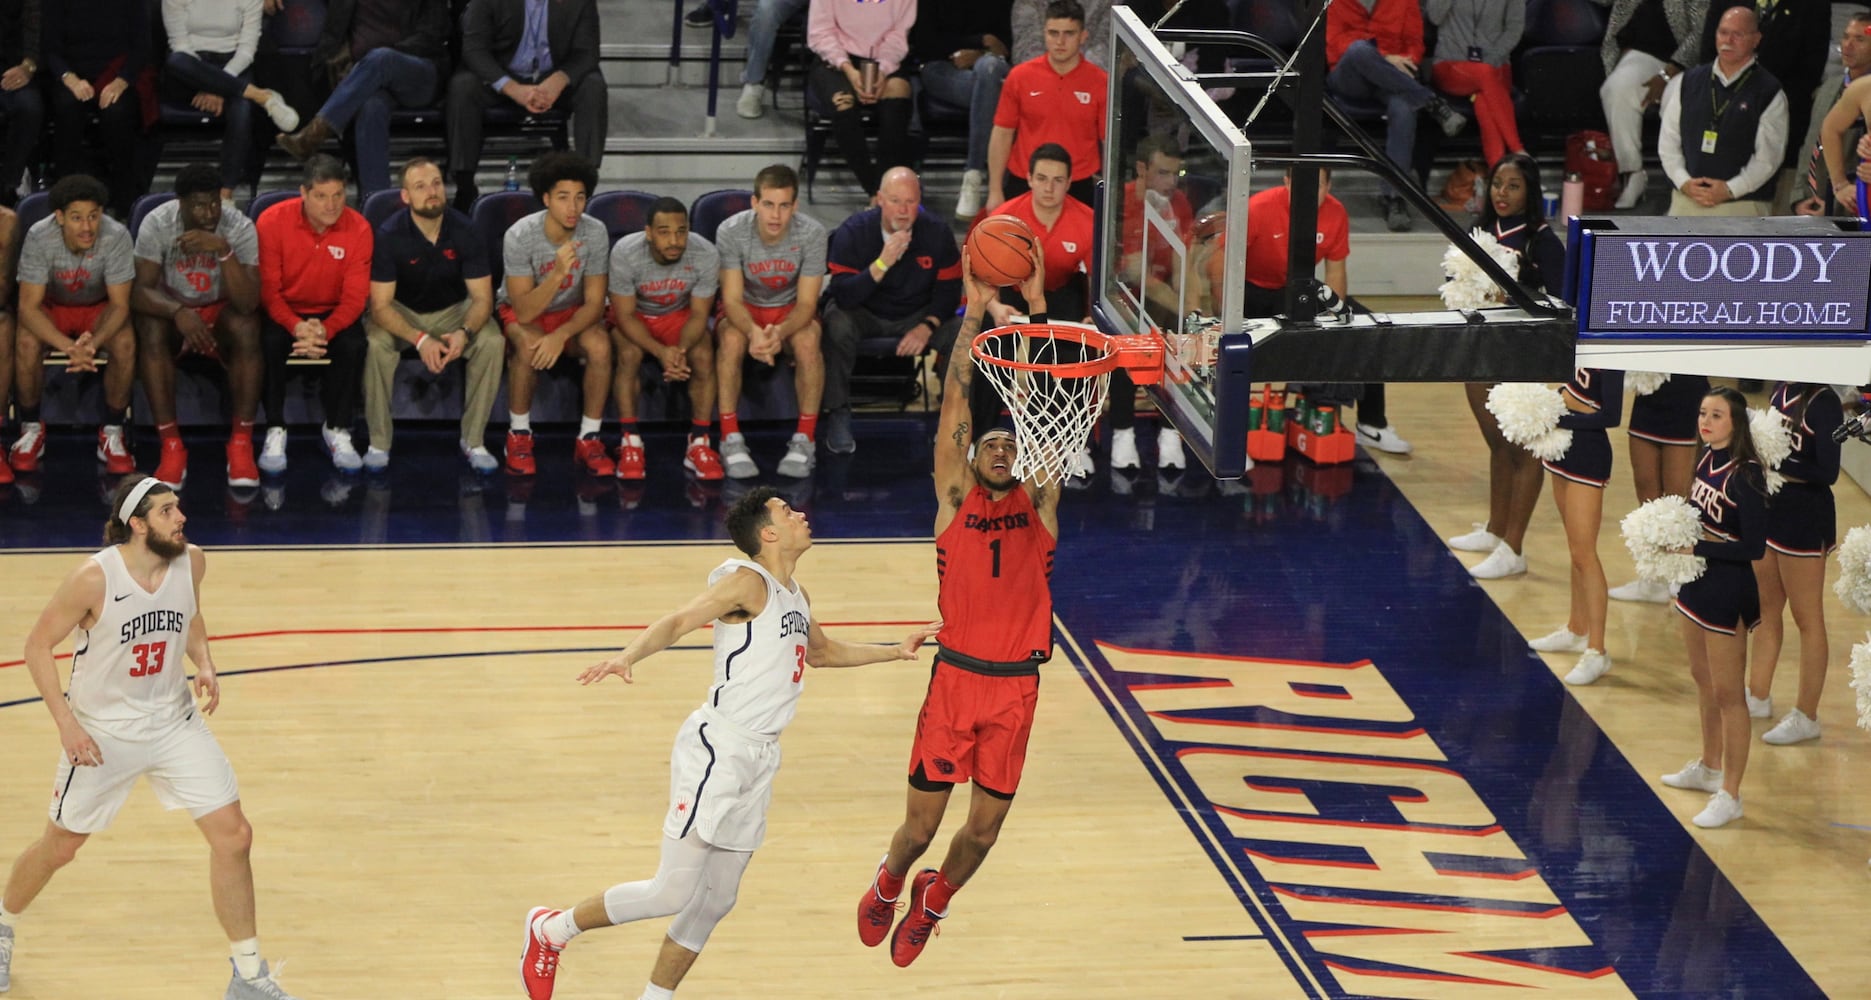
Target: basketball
<point>1000,251</point>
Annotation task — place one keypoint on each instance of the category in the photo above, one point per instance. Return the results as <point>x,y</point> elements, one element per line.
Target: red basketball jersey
<point>994,563</point>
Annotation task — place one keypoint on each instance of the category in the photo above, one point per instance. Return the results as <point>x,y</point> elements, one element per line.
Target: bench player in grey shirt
<point>663,284</point>
<point>197,291</point>
<point>552,306</point>
<point>74,296</point>
<point>772,268</point>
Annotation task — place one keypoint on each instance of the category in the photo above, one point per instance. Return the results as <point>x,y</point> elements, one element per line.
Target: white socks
<point>246,957</point>
<point>559,930</point>
<point>587,426</point>
<point>520,422</point>
<point>8,919</point>
<point>655,992</point>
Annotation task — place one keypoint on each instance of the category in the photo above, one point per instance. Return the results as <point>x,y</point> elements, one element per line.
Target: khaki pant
<point>485,351</point>
<point>1680,204</point>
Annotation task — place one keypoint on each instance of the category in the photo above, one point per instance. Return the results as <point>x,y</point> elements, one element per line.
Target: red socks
<point>168,430</point>
<point>888,886</point>
<point>809,426</point>
<point>730,424</point>
<point>936,897</point>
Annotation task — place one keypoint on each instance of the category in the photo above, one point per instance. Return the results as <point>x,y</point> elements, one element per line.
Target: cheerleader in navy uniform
<point>1801,528</point>
<point>1594,398</point>
<point>1513,214</point>
<point>1730,492</point>
<point>1663,458</point>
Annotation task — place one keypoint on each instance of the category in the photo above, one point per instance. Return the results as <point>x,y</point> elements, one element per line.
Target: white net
<point>1053,413</point>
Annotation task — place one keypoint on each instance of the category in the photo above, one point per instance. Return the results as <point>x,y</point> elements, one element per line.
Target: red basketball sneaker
<point>539,962</point>
<point>630,458</point>
<point>241,472</point>
<point>702,460</point>
<point>918,925</point>
<point>173,468</point>
<point>112,452</point>
<point>588,452</point>
<point>6,471</point>
<point>520,454</point>
<point>875,913</point>
<point>30,446</point>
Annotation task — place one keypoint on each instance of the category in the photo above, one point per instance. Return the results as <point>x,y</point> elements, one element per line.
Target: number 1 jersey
<point>994,564</point>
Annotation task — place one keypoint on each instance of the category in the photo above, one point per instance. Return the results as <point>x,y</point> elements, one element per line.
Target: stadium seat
<point>267,199</point>
<point>1558,69</point>
<point>494,212</point>
<point>144,205</point>
<point>710,210</point>
<point>622,212</point>
<point>32,208</point>
<point>381,205</point>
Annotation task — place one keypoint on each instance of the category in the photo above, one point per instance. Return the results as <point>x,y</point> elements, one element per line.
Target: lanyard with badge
<point>1718,106</point>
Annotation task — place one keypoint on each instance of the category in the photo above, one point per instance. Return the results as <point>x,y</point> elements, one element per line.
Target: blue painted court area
<point>1403,798</point>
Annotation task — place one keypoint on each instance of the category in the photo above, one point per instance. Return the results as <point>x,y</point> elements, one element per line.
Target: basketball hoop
<point>1054,379</point>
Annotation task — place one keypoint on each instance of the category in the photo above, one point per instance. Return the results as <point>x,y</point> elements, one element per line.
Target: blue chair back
<point>267,199</point>
<point>144,205</point>
<point>709,211</point>
<point>622,212</point>
<point>1570,23</point>
<point>31,209</point>
<point>381,205</point>
<point>295,28</point>
<point>494,212</point>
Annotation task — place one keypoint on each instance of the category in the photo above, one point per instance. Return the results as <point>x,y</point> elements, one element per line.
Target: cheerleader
<point>1663,458</point>
<point>1594,398</point>
<point>1730,493</point>
<point>1801,528</point>
<point>1514,215</point>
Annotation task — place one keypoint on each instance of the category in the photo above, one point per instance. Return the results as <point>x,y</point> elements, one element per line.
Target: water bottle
<point>1572,199</point>
<point>513,174</point>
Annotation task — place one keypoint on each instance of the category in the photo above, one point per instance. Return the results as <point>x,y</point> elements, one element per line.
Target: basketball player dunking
<point>727,752</point>
<point>994,547</point>
<point>129,715</point>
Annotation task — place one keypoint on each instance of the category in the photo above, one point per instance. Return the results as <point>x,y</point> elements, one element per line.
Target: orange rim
<point>1140,354</point>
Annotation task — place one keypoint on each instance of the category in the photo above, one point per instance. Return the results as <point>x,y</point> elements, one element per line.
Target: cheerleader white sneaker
<point>1722,810</point>
<point>1564,640</point>
<point>1593,665</point>
<point>1478,540</point>
<point>1502,562</point>
<point>1760,708</point>
<point>1642,592</point>
<point>1695,776</point>
<point>1794,727</point>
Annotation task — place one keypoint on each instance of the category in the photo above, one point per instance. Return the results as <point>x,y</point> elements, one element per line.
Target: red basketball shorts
<point>974,727</point>
<point>768,315</point>
<point>74,320</point>
<point>210,314</point>
<point>667,328</point>
<point>547,322</point>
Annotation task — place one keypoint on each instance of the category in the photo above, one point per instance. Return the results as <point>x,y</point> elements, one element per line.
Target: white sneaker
<point>1169,449</point>
<point>284,118</point>
<point>1124,449</point>
<point>1563,640</point>
<point>1760,708</point>
<point>1642,592</point>
<point>752,102</point>
<point>1502,562</point>
<point>343,454</point>
<point>1383,439</point>
<point>1593,665</point>
<point>479,458</point>
<point>264,987</point>
<point>1080,466</point>
<point>273,451</point>
<point>376,459</point>
<point>1634,184</point>
<point>736,458</point>
<point>1722,810</point>
<point>6,956</point>
<point>1794,727</point>
<point>800,452</point>
<point>1695,776</point>
<point>973,193</point>
<point>1478,540</point>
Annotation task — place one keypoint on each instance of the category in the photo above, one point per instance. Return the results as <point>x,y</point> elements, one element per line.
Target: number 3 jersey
<point>760,663</point>
<point>127,677</point>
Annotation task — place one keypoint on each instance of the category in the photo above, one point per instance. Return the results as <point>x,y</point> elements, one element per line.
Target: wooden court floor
<point>421,768</point>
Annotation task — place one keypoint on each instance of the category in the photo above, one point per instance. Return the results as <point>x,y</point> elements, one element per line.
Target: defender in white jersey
<point>726,753</point>
<point>136,607</point>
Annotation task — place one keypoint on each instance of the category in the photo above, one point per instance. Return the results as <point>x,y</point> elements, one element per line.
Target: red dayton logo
<point>925,262</point>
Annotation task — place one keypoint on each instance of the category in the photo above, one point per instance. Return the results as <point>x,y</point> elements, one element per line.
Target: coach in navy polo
<point>431,288</point>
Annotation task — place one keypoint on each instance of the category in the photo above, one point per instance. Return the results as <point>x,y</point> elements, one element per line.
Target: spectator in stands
<point>211,48</point>
<point>1794,39</point>
<point>762,29</point>
<point>198,292</point>
<point>552,306</point>
<point>431,288</point>
<point>772,270</point>
<point>381,55</point>
<point>1157,162</point>
<point>315,257</point>
<point>74,297</point>
<point>961,49</point>
<point>1473,40</point>
<point>663,284</point>
<point>9,242</point>
<point>541,56</point>
<point>21,107</point>
<point>1724,127</point>
<point>1029,30</point>
<point>1647,44</point>
<point>1059,98</point>
<point>861,45</point>
<point>895,272</point>
<point>1375,48</point>
<point>1812,184</point>
<point>97,52</point>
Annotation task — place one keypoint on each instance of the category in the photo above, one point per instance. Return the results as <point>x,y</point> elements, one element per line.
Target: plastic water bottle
<point>1572,197</point>
<point>513,174</point>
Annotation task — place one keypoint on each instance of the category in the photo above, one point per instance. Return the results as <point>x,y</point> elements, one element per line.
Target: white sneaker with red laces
<point>539,962</point>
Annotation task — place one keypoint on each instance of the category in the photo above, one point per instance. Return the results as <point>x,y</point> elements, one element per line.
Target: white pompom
<point>1468,286</point>
<point>1654,530</point>
<point>1861,681</point>
<point>1773,442</point>
<point>1644,383</point>
<point>1854,582</point>
<point>1528,414</point>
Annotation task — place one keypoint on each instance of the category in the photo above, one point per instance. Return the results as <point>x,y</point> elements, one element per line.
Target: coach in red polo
<point>1055,98</point>
<point>314,285</point>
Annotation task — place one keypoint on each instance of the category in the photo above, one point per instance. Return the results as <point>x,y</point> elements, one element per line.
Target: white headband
<point>137,493</point>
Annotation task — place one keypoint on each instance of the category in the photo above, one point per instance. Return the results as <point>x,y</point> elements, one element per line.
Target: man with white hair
<point>1724,127</point>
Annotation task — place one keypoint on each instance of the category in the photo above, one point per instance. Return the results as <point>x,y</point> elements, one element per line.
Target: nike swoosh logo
<point>1034,93</point>
<point>120,597</point>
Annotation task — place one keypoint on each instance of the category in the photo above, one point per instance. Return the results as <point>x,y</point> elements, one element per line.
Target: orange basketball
<point>1000,250</point>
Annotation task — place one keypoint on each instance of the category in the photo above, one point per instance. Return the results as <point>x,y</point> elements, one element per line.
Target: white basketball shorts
<point>184,765</point>
<point>720,782</point>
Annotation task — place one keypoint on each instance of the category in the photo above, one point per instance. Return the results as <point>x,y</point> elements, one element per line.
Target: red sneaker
<point>112,452</point>
<point>539,962</point>
<point>589,453</point>
<point>173,468</point>
<point>241,472</point>
<point>875,914</point>
<point>630,458</point>
<point>918,925</point>
<point>6,471</point>
<point>28,448</point>
<point>520,454</point>
<point>702,460</point>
